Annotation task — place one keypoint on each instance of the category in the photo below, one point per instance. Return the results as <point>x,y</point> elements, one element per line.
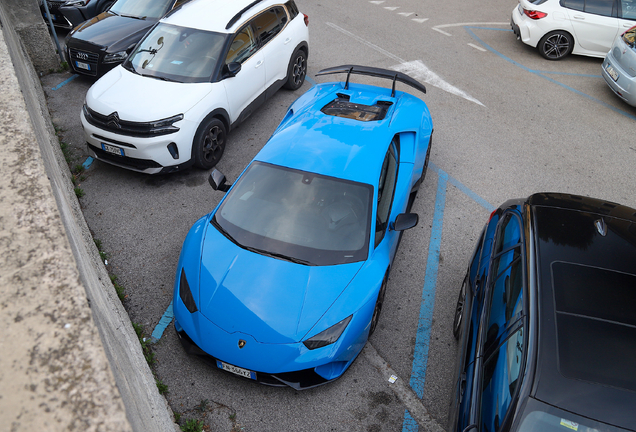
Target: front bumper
<point>87,59</point>
<point>149,155</point>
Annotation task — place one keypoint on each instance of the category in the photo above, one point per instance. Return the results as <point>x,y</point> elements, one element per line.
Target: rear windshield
<point>596,324</point>
<point>629,37</point>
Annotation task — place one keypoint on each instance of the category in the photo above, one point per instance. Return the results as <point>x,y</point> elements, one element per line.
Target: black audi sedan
<point>103,42</point>
<point>547,319</point>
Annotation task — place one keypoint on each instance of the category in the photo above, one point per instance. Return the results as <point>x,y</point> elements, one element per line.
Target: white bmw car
<point>560,27</point>
<point>197,74</point>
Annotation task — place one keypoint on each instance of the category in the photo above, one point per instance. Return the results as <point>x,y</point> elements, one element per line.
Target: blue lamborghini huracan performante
<point>283,283</point>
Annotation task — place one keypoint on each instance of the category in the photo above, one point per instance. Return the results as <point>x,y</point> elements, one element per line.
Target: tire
<point>378,307</point>
<point>297,70</point>
<point>460,309</point>
<point>209,143</point>
<point>556,45</point>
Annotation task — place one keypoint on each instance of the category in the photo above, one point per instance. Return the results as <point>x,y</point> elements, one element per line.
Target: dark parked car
<point>71,13</point>
<point>100,44</point>
<point>546,318</point>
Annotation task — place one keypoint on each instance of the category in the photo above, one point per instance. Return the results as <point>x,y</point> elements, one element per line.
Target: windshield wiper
<point>277,255</point>
<point>162,78</point>
<point>133,16</point>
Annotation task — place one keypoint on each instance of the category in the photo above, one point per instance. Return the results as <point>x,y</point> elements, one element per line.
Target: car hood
<point>272,300</point>
<point>142,99</point>
<point>108,29</point>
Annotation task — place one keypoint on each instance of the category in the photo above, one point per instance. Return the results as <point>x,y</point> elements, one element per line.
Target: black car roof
<point>586,279</point>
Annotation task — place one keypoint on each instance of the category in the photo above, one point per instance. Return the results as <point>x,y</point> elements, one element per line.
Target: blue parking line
<point>165,320</point>
<point>543,74</point>
<point>87,163</point>
<point>311,80</point>
<point>65,82</point>
<point>420,354</point>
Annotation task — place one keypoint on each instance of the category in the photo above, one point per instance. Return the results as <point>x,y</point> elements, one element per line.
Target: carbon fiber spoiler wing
<point>375,72</point>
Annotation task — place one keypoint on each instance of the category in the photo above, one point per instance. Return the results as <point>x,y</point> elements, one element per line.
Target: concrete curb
<point>57,376</point>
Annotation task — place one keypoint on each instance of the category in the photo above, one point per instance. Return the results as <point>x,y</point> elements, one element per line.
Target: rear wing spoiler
<point>375,72</point>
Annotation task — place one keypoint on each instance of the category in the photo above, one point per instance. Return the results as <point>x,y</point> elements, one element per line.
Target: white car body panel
<point>594,33</point>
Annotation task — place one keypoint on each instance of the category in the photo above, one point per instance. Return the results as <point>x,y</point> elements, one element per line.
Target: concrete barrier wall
<point>69,358</point>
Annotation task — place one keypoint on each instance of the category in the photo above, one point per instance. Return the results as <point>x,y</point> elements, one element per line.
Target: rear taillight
<point>535,15</point>
<point>306,20</point>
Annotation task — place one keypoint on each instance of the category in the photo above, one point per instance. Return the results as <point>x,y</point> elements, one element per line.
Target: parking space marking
<point>469,28</point>
<point>65,82</point>
<point>477,47</point>
<point>441,26</point>
<point>420,353</point>
<point>417,68</point>
<point>164,322</point>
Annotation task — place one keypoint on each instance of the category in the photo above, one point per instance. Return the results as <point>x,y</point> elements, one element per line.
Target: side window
<point>578,5</point>
<point>386,188</point>
<point>242,47</point>
<point>293,9</point>
<point>506,280</point>
<point>269,24</point>
<point>628,9</point>
<point>500,379</point>
<point>601,7</point>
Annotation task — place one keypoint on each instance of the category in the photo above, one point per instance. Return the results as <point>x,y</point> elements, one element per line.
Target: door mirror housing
<point>404,221</point>
<point>233,68</point>
<point>218,182</point>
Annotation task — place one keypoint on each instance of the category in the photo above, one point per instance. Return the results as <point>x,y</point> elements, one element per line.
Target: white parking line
<point>419,20</point>
<point>391,8</point>
<point>416,68</point>
<point>438,28</point>
<point>477,47</point>
<point>404,393</point>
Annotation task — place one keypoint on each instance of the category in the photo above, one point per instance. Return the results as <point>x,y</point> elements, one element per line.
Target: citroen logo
<point>113,121</point>
<point>241,343</point>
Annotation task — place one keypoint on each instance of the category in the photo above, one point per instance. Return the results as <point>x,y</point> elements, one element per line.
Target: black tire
<point>378,307</point>
<point>460,309</point>
<point>297,70</point>
<point>209,143</point>
<point>556,45</point>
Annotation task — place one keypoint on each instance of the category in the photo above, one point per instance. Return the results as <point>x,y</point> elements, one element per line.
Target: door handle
<point>579,17</point>
<point>288,40</point>
<point>258,64</point>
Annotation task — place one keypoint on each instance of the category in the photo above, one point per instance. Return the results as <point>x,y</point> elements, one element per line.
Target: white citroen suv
<point>197,74</point>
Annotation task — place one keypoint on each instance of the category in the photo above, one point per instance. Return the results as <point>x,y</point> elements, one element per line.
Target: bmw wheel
<point>378,307</point>
<point>297,70</point>
<point>460,309</point>
<point>209,143</point>
<point>556,45</point>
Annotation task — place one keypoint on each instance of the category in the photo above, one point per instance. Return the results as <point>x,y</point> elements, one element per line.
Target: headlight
<point>186,294</point>
<point>165,126</point>
<point>119,56</point>
<point>329,336</point>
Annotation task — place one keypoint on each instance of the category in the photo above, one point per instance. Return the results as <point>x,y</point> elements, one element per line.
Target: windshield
<point>142,8</point>
<point>540,417</point>
<point>177,54</point>
<point>317,219</point>
<point>630,37</point>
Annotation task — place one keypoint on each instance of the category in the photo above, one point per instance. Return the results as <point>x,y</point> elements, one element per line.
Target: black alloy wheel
<point>297,70</point>
<point>209,143</point>
<point>460,309</point>
<point>378,307</point>
<point>556,45</point>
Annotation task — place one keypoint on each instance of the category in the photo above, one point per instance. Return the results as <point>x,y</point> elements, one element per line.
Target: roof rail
<point>376,72</point>
<point>238,15</point>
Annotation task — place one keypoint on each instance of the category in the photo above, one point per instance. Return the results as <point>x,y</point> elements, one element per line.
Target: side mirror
<point>217,181</point>
<point>404,221</point>
<point>233,68</point>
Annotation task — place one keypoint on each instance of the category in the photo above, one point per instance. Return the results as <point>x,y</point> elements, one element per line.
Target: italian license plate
<point>236,370</point>
<point>82,65</point>
<point>610,70</point>
<point>113,150</point>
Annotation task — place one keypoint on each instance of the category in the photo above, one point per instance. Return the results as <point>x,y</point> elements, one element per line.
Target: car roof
<point>310,140</point>
<point>214,15</point>
<point>586,250</point>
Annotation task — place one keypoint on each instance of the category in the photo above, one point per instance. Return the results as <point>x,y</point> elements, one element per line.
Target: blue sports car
<point>283,283</point>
